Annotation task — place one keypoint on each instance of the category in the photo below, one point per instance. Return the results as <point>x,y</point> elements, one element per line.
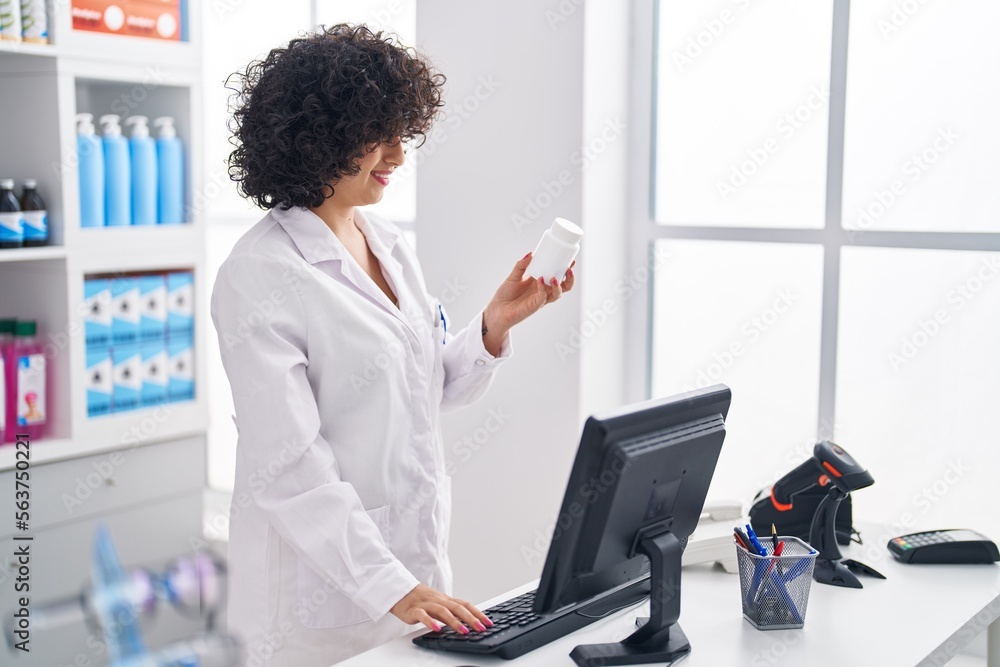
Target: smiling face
<point>369,184</point>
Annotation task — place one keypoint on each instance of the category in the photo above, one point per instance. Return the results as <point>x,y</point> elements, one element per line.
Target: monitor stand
<point>660,639</point>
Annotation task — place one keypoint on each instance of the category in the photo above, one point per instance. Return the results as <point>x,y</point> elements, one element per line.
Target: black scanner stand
<point>831,567</point>
<point>839,474</point>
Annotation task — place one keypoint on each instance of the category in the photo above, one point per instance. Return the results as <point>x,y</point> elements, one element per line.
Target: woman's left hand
<point>517,298</point>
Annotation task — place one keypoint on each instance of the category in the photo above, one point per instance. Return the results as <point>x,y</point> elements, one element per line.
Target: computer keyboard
<point>517,629</point>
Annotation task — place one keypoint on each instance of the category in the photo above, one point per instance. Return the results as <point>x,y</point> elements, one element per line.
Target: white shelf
<point>111,49</point>
<point>60,449</point>
<point>136,237</point>
<point>147,74</point>
<point>139,51</point>
<point>42,451</point>
<point>168,421</point>
<point>28,49</point>
<point>32,254</point>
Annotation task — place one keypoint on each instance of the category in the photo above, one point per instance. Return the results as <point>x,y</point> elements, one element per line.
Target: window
<point>823,231</point>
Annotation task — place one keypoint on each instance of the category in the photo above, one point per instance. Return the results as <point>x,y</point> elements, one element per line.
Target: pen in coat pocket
<point>444,325</point>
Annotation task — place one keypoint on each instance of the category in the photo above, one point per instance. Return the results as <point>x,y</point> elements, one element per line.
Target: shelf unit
<point>95,73</point>
<point>45,87</point>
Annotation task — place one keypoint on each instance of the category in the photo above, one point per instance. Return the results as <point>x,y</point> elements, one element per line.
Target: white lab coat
<point>341,502</point>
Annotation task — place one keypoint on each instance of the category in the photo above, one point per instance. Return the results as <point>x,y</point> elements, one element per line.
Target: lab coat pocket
<point>322,605</point>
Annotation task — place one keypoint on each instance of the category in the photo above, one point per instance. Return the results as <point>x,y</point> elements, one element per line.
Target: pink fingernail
<point>437,628</point>
<point>480,626</point>
<point>554,283</point>
<point>490,622</point>
<point>526,255</point>
<point>464,630</point>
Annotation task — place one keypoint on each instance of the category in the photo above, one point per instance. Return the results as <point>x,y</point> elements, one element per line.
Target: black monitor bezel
<point>599,432</point>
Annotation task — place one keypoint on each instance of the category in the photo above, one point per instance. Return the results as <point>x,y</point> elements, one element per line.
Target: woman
<point>340,361</point>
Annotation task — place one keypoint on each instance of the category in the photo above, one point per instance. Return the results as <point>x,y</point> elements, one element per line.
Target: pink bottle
<point>6,336</point>
<point>27,390</point>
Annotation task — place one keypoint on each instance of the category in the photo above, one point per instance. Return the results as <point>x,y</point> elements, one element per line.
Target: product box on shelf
<point>180,298</point>
<point>128,376</point>
<point>35,21</point>
<point>154,372</point>
<point>124,310</point>
<point>140,346</point>
<point>152,307</point>
<point>97,311</point>
<point>155,19</point>
<point>10,21</point>
<point>180,385</point>
<point>99,380</point>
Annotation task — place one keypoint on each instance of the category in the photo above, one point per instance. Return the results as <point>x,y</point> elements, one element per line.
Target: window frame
<point>643,230</point>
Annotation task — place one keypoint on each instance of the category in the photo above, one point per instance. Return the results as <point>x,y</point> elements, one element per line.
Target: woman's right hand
<point>428,606</point>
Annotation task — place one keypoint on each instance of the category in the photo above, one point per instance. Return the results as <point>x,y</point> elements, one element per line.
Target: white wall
<point>516,123</point>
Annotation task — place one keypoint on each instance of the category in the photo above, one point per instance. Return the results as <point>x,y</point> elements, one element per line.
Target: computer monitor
<point>635,493</point>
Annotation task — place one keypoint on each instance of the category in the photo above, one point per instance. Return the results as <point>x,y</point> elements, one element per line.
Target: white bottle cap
<point>566,231</point>
<point>165,124</point>
<point>139,126</point>
<point>85,123</point>
<point>6,183</point>
<point>110,125</point>
<point>30,183</point>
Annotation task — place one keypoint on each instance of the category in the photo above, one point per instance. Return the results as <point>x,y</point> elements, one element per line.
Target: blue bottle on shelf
<point>142,154</point>
<point>118,178</point>
<point>170,163</point>
<point>90,155</point>
<point>11,218</point>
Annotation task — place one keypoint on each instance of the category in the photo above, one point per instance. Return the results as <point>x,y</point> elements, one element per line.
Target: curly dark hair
<point>305,114</point>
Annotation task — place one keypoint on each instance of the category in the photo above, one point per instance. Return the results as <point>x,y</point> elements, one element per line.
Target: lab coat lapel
<point>382,242</point>
<point>318,243</point>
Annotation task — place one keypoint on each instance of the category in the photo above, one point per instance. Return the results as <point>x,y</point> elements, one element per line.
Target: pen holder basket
<point>775,589</point>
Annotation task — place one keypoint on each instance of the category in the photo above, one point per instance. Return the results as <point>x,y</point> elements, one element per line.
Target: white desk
<point>920,615</point>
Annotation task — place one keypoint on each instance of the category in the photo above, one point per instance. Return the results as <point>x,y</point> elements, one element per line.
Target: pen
<point>746,543</point>
<point>739,539</point>
<point>774,539</point>
<point>770,566</point>
<point>761,551</point>
<point>779,591</point>
<point>444,324</point>
<point>795,571</point>
<point>759,566</point>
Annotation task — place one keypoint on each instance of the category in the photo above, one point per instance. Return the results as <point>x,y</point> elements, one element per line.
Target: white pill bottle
<point>555,252</point>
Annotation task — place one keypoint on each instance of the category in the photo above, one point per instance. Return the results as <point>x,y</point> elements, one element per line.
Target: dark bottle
<point>11,226</point>
<point>34,217</point>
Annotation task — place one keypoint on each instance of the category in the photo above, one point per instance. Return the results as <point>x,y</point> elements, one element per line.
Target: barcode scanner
<point>832,468</point>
